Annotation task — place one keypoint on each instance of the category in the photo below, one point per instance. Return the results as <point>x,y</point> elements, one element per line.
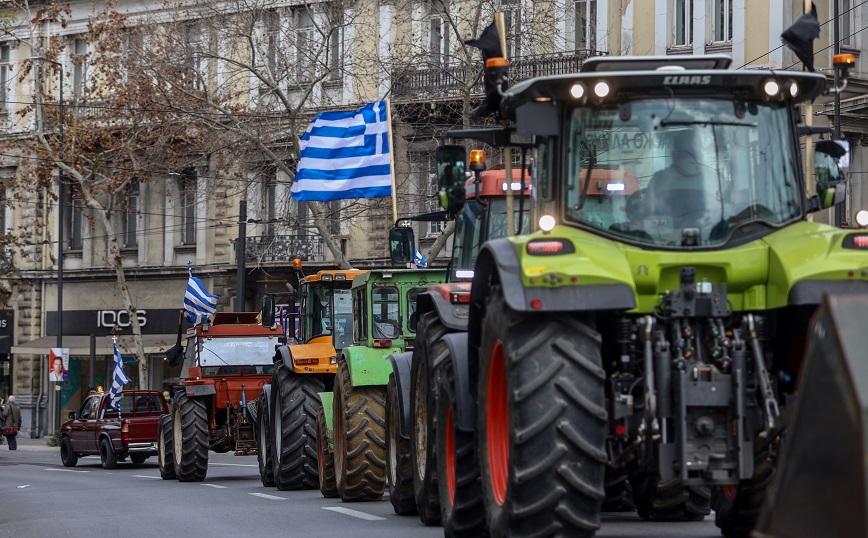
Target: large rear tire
<point>326,458</point>
<point>263,444</point>
<point>461,510</point>
<point>359,438</point>
<point>399,466</point>
<point>166,448</point>
<point>658,500</point>
<point>423,416</point>
<point>67,455</point>
<point>737,508</point>
<point>107,455</point>
<point>293,438</point>
<point>541,423</point>
<point>190,429</point>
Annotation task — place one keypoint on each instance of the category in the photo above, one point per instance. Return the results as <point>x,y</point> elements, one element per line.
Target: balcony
<point>284,248</point>
<point>448,81</point>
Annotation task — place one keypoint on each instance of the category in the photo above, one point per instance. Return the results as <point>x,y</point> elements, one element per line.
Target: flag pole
<point>392,161</point>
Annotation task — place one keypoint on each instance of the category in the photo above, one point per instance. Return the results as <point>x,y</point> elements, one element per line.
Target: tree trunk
<point>441,241</point>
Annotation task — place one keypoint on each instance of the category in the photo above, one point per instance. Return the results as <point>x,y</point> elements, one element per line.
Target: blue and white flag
<point>345,155</point>
<point>418,260</point>
<point>198,303</point>
<point>119,379</point>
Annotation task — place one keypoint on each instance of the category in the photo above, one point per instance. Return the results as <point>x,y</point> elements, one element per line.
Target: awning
<point>80,345</point>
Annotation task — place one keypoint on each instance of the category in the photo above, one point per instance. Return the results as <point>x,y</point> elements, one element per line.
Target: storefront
<point>6,327</point>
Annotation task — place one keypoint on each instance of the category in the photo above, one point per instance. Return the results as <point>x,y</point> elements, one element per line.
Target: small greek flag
<point>345,155</point>
<point>418,260</point>
<point>198,303</point>
<point>119,379</point>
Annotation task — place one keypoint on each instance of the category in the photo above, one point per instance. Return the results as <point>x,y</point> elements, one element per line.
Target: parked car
<point>99,429</point>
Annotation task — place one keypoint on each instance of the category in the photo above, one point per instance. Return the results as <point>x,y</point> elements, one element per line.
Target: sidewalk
<point>33,445</point>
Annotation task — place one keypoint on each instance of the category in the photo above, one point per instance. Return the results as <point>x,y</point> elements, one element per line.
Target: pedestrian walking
<point>11,422</point>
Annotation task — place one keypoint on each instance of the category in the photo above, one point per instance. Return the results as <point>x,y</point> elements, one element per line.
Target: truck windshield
<point>681,172</point>
<point>237,351</point>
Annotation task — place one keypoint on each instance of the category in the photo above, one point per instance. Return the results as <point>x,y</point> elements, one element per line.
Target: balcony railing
<point>283,248</point>
<point>449,80</point>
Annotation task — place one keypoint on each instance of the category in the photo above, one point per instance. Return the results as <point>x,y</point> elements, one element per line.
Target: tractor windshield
<point>682,172</point>
<point>224,356</point>
<point>328,311</point>
<point>471,232</point>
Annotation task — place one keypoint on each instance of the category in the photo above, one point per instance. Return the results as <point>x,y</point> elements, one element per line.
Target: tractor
<point>226,362</point>
<point>654,323</point>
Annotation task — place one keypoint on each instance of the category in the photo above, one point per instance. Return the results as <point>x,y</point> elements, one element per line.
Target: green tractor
<point>654,324</point>
<point>351,436</point>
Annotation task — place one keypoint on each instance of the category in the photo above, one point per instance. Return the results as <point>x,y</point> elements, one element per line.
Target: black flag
<point>489,43</point>
<point>801,35</point>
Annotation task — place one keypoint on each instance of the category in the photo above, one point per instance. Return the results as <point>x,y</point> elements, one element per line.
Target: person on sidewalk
<point>11,423</point>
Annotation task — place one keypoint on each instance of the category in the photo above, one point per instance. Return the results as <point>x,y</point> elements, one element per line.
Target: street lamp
<point>60,203</point>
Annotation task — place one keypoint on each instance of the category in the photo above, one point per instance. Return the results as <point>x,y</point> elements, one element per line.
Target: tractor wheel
<point>461,510</point>
<point>658,500</point>
<point>541,423</point>
<point>263,445</point>
<point>737,508</point>
<point>67,455</point>
<point>359,438</point>
<point>619,493</point>
<point>138,458</point>
<point>107,455</point>
<point>190,429</point>
<point>293,430</point>
<point>326,458</point>
<point>399,468</point>
<point>166,448</point>
<point>423,416</point>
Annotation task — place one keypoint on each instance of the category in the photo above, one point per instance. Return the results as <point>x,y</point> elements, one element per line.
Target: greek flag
<point>119,379</point>
<point>418,260</point>
<point>345,155</point>
<point>198,303</point>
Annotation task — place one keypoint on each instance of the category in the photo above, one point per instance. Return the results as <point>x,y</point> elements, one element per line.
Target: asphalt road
<point>39,497</point>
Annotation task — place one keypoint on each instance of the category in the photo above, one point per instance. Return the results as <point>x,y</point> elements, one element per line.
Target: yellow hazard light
<point>477,159</point>
<point>496,62</point>
<point>296,262</point>
<point>843,60</point>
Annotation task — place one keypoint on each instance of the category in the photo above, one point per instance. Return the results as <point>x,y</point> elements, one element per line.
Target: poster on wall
<point>58,364</point>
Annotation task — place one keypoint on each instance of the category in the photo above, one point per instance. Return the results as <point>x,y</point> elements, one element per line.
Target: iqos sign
<point>119,318</point>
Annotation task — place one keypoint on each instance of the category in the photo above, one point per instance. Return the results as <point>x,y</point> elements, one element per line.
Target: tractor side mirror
<point>831,162</point>
<point>268,311</point>
<point>451,177</point>
<point>401,244</point>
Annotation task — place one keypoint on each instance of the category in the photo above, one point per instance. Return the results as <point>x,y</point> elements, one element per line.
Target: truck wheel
<point>190,430</point>
<point>166,448</point>
<point>399,468</point>
<point>293,437</point>
<point>359,437</point>
<point>658,500</point>
<point>67,455</point>
<point>737,508</point>
<point>138,458</point>
<point>326,459</point>
<point>423,415</point>
<point>541,423</point>
<point>263,444</point>
<point>461,510</point>
<point>107,455</point>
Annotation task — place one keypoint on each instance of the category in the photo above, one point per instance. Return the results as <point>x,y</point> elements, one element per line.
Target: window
<point>438,32</point>
<point>683,26</point>
<point>272,36</point>
<point>847,28</point>
<point>194,49</point>
<point>305,45</point>
<point>5,76</point>
<point>586,25</point>
<point>79,68</point>
<point>73,215</point>
<point>512,19</point>
<point>188,207</point>
<point>386,319</point>
<point>722,20</point>
<point>88,408</point>
<point>434,228</point>
<point>412,297</point>
<point>130,212</point>
<point>269,203</point>
<point>336,37</point>
<point>360,315</point>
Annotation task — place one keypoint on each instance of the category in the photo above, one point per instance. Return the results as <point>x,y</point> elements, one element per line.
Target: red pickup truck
<point>98,429</point>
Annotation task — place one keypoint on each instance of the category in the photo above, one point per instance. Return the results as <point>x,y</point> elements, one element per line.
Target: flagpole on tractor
<point>392,161</point>
<point>810,187</point>
<point>500,24</point>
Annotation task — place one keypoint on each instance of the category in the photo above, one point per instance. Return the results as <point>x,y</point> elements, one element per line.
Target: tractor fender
<point>194,391</point>
<point>811,292</point>
<point>436,298</point>
<point>401,370</point>
<point>368,365</point>
<point>282,353</point>
<point>465,403</point>
<point>327,400</point>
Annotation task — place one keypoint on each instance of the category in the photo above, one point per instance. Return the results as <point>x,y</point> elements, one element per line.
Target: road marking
<point>144,476</point>
<point>218,486</point>
<point>236,464</point>
<point>354,513</point>
<point>66,470</point>
<point>267,496</point>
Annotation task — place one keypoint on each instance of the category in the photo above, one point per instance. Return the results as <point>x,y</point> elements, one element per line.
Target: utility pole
<point>240,247</point>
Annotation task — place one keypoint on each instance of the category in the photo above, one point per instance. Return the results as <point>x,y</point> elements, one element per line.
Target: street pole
<point>836,121</point>
<point>240,247</point>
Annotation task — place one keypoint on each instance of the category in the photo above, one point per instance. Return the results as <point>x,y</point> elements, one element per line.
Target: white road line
<point>218,486</point>
<point>66,470</point>
<point>144,476</point>
<point>236,464</point>
<point>354,513</point>
<point>267,496</point>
